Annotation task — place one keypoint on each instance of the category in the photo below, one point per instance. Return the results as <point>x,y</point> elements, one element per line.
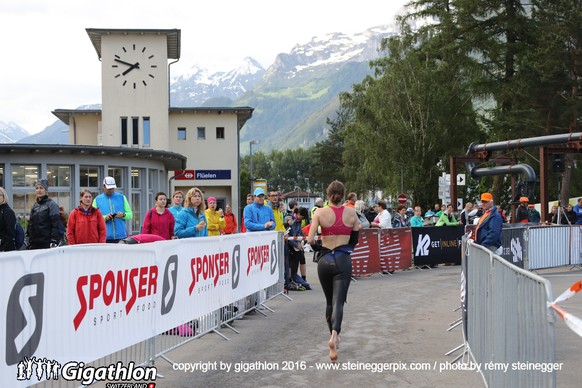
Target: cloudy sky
<point>48,61</point>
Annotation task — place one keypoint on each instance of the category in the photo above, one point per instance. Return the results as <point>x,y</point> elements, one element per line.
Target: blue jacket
<point>114,203</point>
<point>578,211</point>
<point>295,230</point>
<point>489,232</point>
<point>186,224</point>
<point>256,216</point>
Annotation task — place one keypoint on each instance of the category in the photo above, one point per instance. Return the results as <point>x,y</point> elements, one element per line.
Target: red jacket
<point>86,227</point>
<point>159,224</point>
<point>230,227</point>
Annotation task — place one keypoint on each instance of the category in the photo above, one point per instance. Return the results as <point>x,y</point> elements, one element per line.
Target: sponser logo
<point>169,284</point>
<point>208,266</point>
<point>24,316</point>
<point>121,286</point>
<point>257,256</point>
<point>235,266</point>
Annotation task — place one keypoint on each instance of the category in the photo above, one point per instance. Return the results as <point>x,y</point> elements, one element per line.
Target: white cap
<point>109,182</point>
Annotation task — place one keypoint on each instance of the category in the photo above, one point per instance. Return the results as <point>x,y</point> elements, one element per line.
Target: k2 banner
<point>434,245</point>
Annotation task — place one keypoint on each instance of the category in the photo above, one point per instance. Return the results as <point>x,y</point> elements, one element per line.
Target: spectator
<point>296,253</point>
<point>438,211</point>
<point>569,216</point>
<point>400,220</point>
<point>384,217</point>
<point>464,216</point>
<point>216,223</point>
<point>44,226</point>
<point>191,221</point>
<point>291,208</point>
<point>360,207</point>
<point>115,210</point>
<point>522,214</point>
<point>552,215</point>
<point>159,220</point>
<point>488,231</point>
<point>417,220</point>
<point>250,200</point>
<point>318,205</point>
<point>578,210</point>
<point>477,213</point>
<point>447,218</point>
<point>371,212</point>
<point>7,224</point>
<point>430,218</point>
<point>534,214</point>
<point>230,221</point>
<point>502,213</point>
<point>259,217</point>
<point>86,224</point>
<point>273,202</point>
<point>351,200</point>
<point>177,203</point>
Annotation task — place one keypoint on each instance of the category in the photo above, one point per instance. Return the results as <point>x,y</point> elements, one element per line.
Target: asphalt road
<point>392,325</point>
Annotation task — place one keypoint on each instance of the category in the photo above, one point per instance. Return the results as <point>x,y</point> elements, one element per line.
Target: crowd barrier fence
<point>507,322</point>
<point>103,303</point>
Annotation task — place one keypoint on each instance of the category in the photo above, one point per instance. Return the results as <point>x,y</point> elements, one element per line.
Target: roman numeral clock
<point>134,66</point>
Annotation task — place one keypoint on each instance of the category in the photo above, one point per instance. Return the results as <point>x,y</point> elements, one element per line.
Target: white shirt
<point>385,219</point>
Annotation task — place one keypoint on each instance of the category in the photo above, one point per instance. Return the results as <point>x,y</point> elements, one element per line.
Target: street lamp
<point>251,157</point>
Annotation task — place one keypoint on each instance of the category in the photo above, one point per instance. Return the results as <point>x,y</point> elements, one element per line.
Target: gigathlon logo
<point>24,315</point>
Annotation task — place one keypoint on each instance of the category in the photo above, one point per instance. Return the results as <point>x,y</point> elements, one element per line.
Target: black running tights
<point>335,272</point>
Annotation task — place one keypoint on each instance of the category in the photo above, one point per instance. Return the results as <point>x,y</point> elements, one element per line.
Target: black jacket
<point>7,222</point>
<point>44,226</point>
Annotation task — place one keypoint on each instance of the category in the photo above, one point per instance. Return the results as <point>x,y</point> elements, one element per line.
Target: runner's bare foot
<point>332,346</point>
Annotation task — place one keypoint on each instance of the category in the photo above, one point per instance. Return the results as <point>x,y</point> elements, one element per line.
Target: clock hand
<point>125,63</point>
<point>134,66</point>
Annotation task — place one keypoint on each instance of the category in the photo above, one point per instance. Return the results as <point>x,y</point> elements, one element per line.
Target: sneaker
<point>301,288</point>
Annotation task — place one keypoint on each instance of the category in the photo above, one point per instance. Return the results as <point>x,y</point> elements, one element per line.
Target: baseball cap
<point>211,199</point>
<point>109,182</point>
<point>486,197</point>
<point>524,199</point>
<point>259,191</point>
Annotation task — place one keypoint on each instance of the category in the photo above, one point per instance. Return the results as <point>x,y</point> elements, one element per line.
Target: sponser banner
<point>83,302</point>
<point>437,245</point>
<point>365,257</point>
<point>395,249</point>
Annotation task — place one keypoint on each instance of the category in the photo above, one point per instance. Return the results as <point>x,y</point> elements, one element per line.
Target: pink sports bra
<point>338,228</point>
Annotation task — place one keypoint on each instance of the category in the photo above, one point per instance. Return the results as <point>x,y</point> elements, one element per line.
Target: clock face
<point>134,66</point>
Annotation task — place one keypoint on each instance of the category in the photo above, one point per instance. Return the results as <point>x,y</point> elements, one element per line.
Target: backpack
<point>18,236</point>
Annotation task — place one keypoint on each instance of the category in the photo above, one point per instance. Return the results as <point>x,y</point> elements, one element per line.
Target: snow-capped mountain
<point>331,50</point>
<point>11,132</point>
<point>198,86</point>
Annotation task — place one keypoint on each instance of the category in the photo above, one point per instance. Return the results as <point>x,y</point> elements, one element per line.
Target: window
<point>135,130</point>
<point>59,175</point>
<point>89,177</point>
<point>146,131</point>
<point>124,131</point>
<point>23,176</point>
<point>201,133</point>
<point>181,133</point>
<point>117,174</point>
<point>220,132</point>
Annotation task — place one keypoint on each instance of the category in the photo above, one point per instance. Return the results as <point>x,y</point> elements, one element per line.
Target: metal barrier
<point>576,246</point>
<point>548,247</point>
<point>510,330</point>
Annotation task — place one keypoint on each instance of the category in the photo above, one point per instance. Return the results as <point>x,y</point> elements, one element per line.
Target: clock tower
<point>135,85</point>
